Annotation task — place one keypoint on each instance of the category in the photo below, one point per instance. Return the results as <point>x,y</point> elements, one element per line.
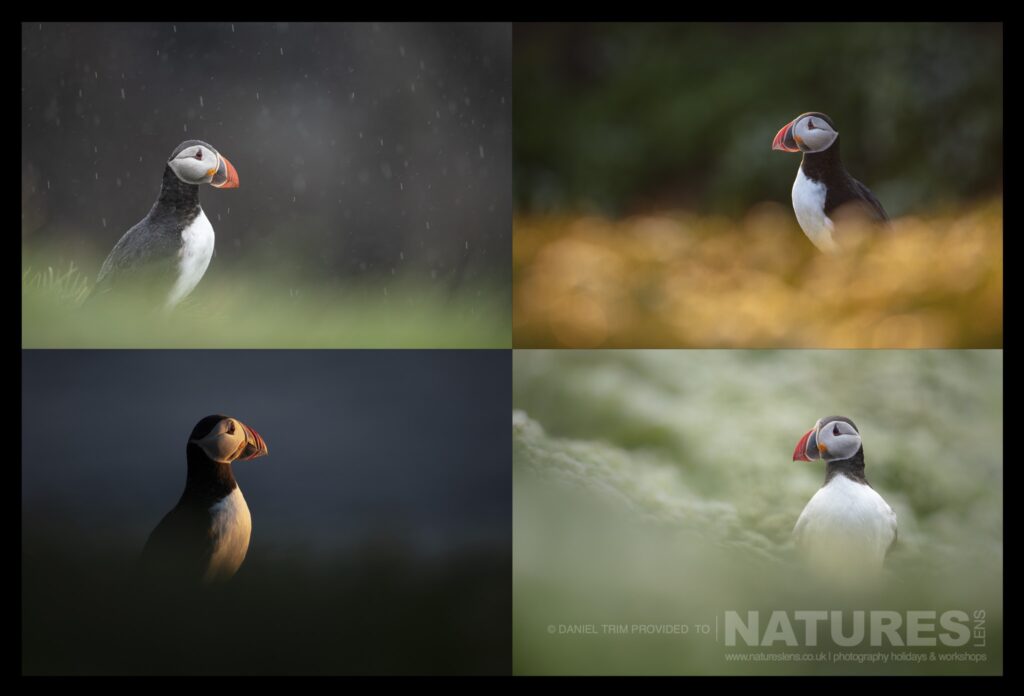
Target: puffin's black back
<point>149,250</point>
<point>841,188</point>
<point>179,549</point>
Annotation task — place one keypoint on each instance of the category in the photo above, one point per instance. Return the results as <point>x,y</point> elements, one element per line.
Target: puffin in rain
<point>173,244</point>
<point>205,537</point>
<point>823,185</point>
<point>847,528</point>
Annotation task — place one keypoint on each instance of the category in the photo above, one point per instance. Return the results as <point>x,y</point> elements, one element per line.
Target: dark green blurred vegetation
<point>620,118</point>
<point>377,611</point>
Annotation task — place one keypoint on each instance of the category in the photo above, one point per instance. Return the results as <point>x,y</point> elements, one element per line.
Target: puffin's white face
<point>232,440</point>
<point>837,440</point>
<point>201,164</point>
<point>832,439</point>
<point>813,134</point>
<point>196,164</point>
<point>810,132</point>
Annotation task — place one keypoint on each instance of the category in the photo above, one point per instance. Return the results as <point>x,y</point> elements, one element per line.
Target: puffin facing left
<point>205,537</point>
<point>173,244</point>
<point>823,186</point>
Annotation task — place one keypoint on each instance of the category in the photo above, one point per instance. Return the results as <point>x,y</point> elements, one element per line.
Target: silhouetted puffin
<point>205,537</point>
<point>822,183</point>
<point>173,244</point>
<point>846,529</point>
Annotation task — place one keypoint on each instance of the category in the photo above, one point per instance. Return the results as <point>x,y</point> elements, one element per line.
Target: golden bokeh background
<point>681,280</point>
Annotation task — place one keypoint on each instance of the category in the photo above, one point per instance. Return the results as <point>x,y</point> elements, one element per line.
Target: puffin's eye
<point>810,124</point>
<point>231,428</point>
<point>835,430</point>
<point>199,154</point>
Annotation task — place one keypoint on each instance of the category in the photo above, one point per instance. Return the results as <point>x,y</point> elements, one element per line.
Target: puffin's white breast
<point>846,529</point>
<point>809,206</point>
<point>193,259</point>
<point>230,530</point>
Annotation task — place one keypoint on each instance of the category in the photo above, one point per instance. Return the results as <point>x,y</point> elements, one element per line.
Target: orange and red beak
<point>254,444</point>
<point>784,139</point>
<point>807,449</point>
<point>226,176</point>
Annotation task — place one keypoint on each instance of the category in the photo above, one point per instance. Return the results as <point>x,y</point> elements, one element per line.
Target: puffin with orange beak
<point>822,183</point>
<point>173,244</point>
<point>205,537</point>
<point>846,529</point>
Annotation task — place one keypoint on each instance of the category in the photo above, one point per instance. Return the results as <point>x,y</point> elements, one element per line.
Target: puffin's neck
<point>818,165</point>
<point>851,468</point>
<point>207,479</point>
<point>176,197</point>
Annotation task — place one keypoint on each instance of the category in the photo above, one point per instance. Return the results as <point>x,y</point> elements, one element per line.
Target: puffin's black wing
<point>180,547</point>
<point>144,246</point>
<point>869,198</point>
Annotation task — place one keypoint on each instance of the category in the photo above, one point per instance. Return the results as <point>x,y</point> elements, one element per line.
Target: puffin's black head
<point>833,438</point>
<point>196,162</point>
<point>224,439</point>
<point>810,132</point>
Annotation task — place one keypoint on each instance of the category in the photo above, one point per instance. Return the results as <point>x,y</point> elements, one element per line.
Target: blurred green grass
<point>232,309</point>
<point>373,611</point>
<point>657,487</point>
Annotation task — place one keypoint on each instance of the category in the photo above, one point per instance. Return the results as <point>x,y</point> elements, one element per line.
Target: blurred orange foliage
<point>679,280</point>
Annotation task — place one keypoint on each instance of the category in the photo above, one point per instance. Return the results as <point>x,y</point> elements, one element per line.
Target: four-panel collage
<point>738,285</point>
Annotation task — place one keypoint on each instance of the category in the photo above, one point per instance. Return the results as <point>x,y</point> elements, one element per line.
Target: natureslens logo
<point>875,628</point>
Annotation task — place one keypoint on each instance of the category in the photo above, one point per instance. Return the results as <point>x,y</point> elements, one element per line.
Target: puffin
<point>173,244</point>
<point>846,530</point>
<point>822,183</point>
<point>204,539</point>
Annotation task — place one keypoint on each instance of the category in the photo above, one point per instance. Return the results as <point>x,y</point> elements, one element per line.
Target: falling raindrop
<point>282,50</point>
<point>47,184</point>
<point>481,152</point>
<point>257,95</point>
<point>184,127</point>
<point>467,245</point>
<point>232,28</point>
<point>401,256</point>
<point>175,28</point>
<point>104,220</point>
<point>428,224</point>
<point>122,93</point>
<point>201,103</point>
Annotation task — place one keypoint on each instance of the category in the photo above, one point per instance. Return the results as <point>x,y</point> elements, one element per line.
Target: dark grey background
<point>362,149</point>
<point>389,473</point>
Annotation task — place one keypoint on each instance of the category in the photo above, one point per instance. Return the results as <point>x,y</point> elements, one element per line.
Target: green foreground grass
<point>233,311</point>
